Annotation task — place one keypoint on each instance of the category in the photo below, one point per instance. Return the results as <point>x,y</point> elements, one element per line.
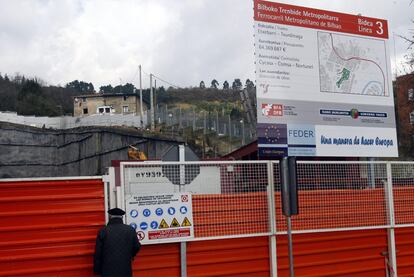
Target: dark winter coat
<point>116,246</point>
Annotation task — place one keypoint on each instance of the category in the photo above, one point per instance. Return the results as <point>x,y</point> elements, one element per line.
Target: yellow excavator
<point>136,154</point>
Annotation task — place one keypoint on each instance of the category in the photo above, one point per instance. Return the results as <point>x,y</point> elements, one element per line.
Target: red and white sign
<point>314,69</point>
<point>168,234</point>
<point>319,19</point>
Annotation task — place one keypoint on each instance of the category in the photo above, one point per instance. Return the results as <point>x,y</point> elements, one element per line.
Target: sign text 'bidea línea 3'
<point>323,83</point>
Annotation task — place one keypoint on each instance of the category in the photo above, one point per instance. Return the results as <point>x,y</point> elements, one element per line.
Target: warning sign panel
<point>186,222</point>
<point>163,224</point>
<point>159,218</point>
<point>175,223</point>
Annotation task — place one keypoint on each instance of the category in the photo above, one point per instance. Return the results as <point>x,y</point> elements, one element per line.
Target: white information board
<point>323,83</point>
<point>160,218</point>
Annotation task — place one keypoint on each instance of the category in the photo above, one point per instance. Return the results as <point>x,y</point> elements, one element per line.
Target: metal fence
<point>242,199</point>
<point>209,121</point>
<point>239,198</point>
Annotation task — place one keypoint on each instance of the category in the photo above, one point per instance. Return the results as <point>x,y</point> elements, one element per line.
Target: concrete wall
<point>35,152</point>
<point>68,122</point>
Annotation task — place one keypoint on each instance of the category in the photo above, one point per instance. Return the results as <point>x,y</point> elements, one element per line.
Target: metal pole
<point>286,205</point>
<point>243,139</point>
<point>183,245</point>
<point>152,105</point>
<point>140,97</point>
<point>289,232</point>
<point>272,218</point>
<point>371,173</point>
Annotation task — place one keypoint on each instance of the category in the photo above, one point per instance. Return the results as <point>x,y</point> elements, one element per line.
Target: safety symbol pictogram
<point>146,212</point>
<point>175,223</point>
<point>140,235</point>
<point>164,224</point>
<point>186,222</point>
<point>184,198</point>
<point>154,224</point>
<point>171,210</point>
<point>183,209</point>
<point>159,211</point>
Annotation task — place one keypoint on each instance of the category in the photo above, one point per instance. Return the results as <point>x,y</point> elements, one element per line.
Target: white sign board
<point>323,83</point>
<point>160,218</point>
<point>150,179</point>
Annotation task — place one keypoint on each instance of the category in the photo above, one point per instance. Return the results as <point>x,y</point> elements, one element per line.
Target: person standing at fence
<point>116,246</point>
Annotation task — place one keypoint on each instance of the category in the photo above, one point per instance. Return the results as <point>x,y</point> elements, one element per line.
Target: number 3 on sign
<point>380,30</point>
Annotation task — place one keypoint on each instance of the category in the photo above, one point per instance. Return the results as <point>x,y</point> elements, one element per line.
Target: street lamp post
<point>242,124</point>
<point>170,115</point>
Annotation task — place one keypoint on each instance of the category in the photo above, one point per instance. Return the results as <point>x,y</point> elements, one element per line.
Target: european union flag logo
<point>272,133</point>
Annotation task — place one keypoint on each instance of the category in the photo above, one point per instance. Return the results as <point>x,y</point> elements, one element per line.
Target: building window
<point>410,94</point>
<point>83,99</point>
<point>412,117</point>
<point>125,97</point>
<point>105,110</point>
<point>85,111</point>
<point>125,109</point>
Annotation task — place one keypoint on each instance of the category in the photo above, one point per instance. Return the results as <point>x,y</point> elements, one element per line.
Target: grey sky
<point>182,41</point>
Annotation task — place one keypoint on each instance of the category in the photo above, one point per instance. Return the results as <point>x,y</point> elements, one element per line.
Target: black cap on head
<point>116,211</point>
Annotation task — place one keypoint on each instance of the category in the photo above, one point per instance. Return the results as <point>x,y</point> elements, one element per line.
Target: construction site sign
<point>160,218</point>
<point>323,83</point>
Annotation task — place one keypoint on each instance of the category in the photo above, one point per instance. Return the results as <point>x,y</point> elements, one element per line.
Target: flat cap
<point>116,211</point>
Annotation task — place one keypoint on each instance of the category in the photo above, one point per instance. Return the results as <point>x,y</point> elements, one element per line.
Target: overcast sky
<point>181,41</point>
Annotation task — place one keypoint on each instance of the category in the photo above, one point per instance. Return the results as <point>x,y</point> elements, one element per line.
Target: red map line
<point>359,59</point>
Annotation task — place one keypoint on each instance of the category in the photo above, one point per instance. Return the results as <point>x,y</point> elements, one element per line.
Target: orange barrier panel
<point>346,208</point>
<point>230,214</point>
<point>230,257</point>
<point>404,238</point>
<point>346,253</point>
<point>51,231</point>
<point>403,204</point>
<point>49,227</point>
<point>158,260</point>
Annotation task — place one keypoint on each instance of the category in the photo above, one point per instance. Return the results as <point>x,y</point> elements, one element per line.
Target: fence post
<point>272,218</point>
<point>389,197</point>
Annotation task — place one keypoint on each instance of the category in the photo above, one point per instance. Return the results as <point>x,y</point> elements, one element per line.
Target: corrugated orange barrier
<point>347,253</point>
<point>405,251</point>
<point>49,227</point>
<point>230,257</point>
<point>346,208</point>
<point>230,214</point>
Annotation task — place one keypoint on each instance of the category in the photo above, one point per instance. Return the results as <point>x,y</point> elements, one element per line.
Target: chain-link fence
<point>219,122</point>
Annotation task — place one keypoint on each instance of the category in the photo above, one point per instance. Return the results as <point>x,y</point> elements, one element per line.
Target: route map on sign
<point>353,65</point>
<point>159,218</point>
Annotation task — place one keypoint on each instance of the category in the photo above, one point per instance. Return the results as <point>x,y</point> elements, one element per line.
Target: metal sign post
<point>289,200</point>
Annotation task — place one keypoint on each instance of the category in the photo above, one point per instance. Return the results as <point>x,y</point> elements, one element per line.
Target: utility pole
<point>155,99</point>
<point>152,105</point>
<point>140,97</point>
